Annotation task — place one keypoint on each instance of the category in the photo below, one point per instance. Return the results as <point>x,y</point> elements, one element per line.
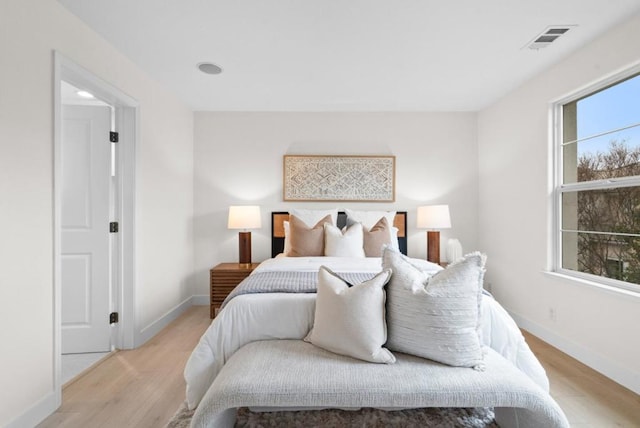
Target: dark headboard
<point>279,217</point>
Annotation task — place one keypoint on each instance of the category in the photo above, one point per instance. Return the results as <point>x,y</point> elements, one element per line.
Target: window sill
<point>602,287</point>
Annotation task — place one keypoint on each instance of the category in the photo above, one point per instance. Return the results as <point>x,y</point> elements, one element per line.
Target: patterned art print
<point>339,178</point>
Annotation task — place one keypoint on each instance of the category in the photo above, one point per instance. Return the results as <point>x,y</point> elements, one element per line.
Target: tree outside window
<point>599,197</point>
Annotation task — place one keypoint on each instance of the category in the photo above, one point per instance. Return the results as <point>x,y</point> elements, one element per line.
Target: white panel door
<point>85,229</point>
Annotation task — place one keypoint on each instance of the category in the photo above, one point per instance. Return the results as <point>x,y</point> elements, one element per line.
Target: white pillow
<point>394,238</point>
<point>312,217</point>
<point>287,238</point>
<point>350,320</point>
<point>436,316</point>
<point>343,244</point>
<point>370,218</point>
<point>424,265</point>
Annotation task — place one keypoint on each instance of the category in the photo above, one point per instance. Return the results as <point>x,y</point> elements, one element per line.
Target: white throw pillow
<point>435,316</point>
<point>394,238</point>
<point>312,217</point>
<point>370,218</point>
<point>350,320</point>
<point>343,244</point>
<point>287,238</point>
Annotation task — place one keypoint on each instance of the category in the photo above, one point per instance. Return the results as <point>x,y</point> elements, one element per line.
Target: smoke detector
<point>548,36</point>
<point>209,68</point>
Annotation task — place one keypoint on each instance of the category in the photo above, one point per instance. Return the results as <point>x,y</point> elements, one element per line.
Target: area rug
<point>432,417</point>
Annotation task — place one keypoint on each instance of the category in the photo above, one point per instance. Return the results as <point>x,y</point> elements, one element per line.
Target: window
<point>597,187</point>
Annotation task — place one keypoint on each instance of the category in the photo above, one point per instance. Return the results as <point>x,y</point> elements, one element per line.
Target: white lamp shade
<point>244,217</point>
<point>433,217</point>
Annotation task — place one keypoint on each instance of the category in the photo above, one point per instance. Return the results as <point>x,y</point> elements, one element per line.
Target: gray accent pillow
<point>349,319</point>
<point>435,316</point>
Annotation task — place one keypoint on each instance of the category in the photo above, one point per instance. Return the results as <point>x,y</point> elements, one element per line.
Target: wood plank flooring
<point>588,398</point>
<point>144,387</point>
<point>138,388</point>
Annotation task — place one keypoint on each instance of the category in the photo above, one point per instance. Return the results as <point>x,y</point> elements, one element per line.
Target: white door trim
<point>126,123</point>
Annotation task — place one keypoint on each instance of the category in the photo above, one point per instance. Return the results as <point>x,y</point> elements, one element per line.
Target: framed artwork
<point>339,178</point>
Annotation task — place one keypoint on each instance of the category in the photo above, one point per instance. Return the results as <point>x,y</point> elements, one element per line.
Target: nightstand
<point>223,279</point>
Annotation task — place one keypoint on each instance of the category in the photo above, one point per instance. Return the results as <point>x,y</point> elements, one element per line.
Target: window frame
<point>559,187</point>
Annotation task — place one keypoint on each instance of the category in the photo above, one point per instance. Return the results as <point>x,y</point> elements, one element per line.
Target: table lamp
<point>244,217</point>
<point>433,217</point>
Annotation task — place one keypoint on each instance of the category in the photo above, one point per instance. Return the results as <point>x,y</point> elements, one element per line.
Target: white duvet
<point>252,317</point>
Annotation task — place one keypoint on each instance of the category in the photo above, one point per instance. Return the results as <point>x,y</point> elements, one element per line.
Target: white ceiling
<point>345,55</point>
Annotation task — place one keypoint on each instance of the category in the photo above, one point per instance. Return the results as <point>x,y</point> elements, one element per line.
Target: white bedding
<point>252,317</point>
<point>336,264</point>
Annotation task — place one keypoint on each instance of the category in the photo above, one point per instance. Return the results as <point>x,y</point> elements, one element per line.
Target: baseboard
<point>201,300</point>
<point>607,367</point>
<point>37,412</point>
<point>154,328</point>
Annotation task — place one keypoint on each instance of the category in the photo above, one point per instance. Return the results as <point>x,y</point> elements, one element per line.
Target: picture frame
<point>365,178</point>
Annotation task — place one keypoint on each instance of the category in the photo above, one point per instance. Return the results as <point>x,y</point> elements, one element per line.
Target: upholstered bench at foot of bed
<point>295,374</point>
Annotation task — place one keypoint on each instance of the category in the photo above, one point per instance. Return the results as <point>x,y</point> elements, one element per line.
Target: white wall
<point>29,32</point>
<point>597,326</point>
<point>238,160</point>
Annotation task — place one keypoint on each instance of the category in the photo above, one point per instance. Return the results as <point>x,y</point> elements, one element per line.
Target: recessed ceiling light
<point>209,68</point>
<point>85,94</point>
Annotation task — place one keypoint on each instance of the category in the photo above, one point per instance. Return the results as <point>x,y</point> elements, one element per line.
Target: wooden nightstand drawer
<point>223,279</point>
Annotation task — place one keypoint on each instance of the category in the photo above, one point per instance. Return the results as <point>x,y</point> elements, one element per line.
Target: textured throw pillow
<point>370,218</point>
<point>306,241</point>
<point>343,244</point>
<point>350,320</point>
<point>436,316</point>
<point>376,238</point>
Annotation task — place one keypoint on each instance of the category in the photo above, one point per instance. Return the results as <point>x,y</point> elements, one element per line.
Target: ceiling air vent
<point>548,36</point>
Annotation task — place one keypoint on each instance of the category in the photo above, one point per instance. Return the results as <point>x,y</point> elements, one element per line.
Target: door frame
<point>124,272</point>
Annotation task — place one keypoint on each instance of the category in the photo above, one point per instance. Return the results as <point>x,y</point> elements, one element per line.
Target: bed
<point>276,309</point>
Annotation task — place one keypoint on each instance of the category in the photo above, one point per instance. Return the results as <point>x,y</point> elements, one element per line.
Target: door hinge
<point>113,227</point>
<point>113,137</point>
<point>113,318</point>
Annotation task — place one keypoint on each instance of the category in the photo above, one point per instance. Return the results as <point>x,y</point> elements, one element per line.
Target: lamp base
<point>433,246</point>
<point>244,247</point>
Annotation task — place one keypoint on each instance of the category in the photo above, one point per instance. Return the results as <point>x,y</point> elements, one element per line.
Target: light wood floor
<point>144,387</point>
<point>588,398</point>
<point>139,388</point>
